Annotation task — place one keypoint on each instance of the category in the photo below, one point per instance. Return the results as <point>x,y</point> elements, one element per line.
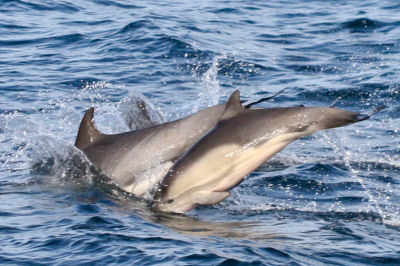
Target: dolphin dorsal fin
<point>88,133</point>
<point>233,106</point>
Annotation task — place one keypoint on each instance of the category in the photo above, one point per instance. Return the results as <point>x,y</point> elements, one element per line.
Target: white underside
<point>221,169</point>
<point>146,181</point>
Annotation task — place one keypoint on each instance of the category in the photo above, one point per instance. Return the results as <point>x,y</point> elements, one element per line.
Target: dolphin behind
<point>241,141</point>
<point>130,158</point>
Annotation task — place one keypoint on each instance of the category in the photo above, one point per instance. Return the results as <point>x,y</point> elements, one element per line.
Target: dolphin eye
<point>169,201</point>
<point>300,128</point>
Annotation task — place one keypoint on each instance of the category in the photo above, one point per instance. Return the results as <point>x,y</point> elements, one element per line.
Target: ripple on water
<point>362,25</point>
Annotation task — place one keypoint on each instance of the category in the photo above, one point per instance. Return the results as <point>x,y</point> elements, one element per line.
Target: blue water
<point>332,198</point>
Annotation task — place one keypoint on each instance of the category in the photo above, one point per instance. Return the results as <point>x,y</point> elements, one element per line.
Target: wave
<point>19,5</point>
<point>227,10</point>
<point>285,39</point>
<point>362,25</point>
<point>374,93</point>
<point>138,25</point>
<point>175,47</point>
<point>119,4</point>
<point>308,213</point>
<point>54,41</point>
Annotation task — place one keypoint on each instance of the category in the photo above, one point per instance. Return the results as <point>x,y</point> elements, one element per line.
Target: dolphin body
<point>198,159</point>
<point>137,160</point>
<point>242,140</point>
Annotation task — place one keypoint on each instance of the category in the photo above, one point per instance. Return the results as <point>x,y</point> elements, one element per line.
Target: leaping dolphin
<point>129,158</point>
<point>242,140</point>
<point>198,159</point>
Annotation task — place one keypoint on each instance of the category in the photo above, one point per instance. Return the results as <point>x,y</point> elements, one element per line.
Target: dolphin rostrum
<point>198,159</point>
<point>242,140</point>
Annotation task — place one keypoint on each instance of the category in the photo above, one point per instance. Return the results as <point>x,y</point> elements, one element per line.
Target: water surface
<point>332,198</point>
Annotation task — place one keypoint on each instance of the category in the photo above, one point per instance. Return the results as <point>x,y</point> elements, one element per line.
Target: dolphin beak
<point>361,117</point>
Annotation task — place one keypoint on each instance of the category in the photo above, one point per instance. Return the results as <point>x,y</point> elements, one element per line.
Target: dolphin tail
<point>88,134</point>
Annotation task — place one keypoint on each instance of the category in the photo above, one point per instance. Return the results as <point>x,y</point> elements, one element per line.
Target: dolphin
<point>137,160</point>
<point>241,141</point>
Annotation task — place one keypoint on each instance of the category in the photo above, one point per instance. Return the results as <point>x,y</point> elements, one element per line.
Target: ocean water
<point>330,199</point>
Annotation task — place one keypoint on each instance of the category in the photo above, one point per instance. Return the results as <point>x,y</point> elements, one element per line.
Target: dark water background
<point>332,198</point>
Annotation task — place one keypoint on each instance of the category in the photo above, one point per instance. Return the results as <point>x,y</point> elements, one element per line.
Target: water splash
<point>40,141</point>
<point>209,91</point>
<point>374,203</point>
<point>139,112</point>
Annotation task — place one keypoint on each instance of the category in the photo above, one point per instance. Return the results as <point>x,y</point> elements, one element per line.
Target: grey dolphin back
<point>88,134</point>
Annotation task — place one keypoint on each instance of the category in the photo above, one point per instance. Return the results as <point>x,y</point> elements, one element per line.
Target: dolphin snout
<point>361,117</point>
